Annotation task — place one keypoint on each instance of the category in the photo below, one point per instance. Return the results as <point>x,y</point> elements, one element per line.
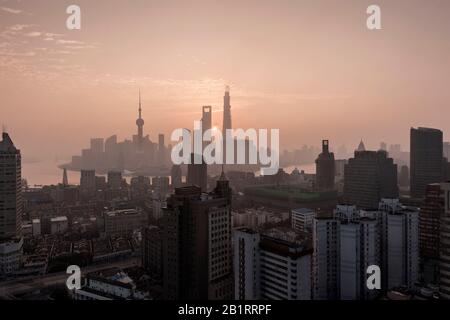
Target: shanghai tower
<point>226,120</point>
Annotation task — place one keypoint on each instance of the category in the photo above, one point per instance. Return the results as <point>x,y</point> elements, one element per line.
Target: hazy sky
<point>310,68</point>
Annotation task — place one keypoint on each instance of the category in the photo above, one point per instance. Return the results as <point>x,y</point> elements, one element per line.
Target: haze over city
<point>311,69</point>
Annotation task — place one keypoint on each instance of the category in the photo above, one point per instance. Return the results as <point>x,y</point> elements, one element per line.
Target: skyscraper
<point>326,263</point>
<point>161,150</point>
<point>402,254</point>
<point>429,227</point>
<point>325,168</point>
<point>176,176</point>
<point>197,173</point>
<point>359,249</point>
<point>227,124</point>
<point>115,180</point>
<point>206,123</point>
<point>274,265</point>
<point>87,183</point>
<point>11,241</point>
<point>10,189</point>
<point>369,177</point>
<point>197,244</point>
<point>426,159</point>
<point>140,124</point>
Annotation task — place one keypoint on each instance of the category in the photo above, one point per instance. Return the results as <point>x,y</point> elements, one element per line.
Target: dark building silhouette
<point>206,123</point>
<point>10,190</point>
<point>152,252</point>
<point>87,183</point>
<point>11,207</point>
<point>65,181</point>
<point>140,124</point>
<point>227,123</point>
<point>176,176</point>
<point>140,188</point>
<point>197,257</point>
<point>115,180</point>
<point>325,168</point>
<point>429,231</point>
<point>444,246</point>
<point>197,173</point>
<point>369,177</point>
<point>403,178</point>
<point>426,159</point>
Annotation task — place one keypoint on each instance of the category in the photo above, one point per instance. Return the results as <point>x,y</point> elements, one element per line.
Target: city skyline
<point>182,153</point>
<point>183,55</point>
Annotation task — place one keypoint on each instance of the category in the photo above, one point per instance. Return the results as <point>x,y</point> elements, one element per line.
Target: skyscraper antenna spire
<point>140,104</point>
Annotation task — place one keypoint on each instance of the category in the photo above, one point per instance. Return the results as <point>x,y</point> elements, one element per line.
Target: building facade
<point>426,159</point>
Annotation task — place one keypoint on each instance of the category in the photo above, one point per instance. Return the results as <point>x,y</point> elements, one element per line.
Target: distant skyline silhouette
<point>314,73</point>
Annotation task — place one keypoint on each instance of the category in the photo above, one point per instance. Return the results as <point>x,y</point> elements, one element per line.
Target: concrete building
<point>401,232</point>
<point>176,176</point>
<point>246,264</point>
<point>429,232</point>
<point>302,219</point>
<point>325,168</point>
<point>274,265</point>
<point>115,180</point>
<point>161,187</point>
<point>87,183</point>
<point>426,159</point>
<point>10,256</point>
<point>36,227</point>
<point>59,225</point>
<point>109,284</point>
<point>359,249</point>
<point>11,189</point>
<point>124,222</point>
<point>369,177</point>
<point>11,206</point>
<point>197,172</point>
<point>326,261</point>
<point>152,251</point>
<point>197,244</point>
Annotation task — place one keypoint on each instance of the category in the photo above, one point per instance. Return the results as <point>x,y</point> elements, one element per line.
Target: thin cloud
<point>11,10</point>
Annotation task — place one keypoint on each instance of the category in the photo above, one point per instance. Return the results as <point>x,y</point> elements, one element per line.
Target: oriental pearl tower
<point>140,124</point>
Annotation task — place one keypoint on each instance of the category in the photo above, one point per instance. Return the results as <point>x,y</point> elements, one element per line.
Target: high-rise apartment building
<point>369,177</point>
<point>274,265</point>
<point>197,253</point>
<point>10,189</point>
<point>115,180</point>
<point>152,251</point>
<point>11,203</point>
<point>326,261</point>
<point>426,159</point>
<point>429,232</point>
<point>359,249</point>
<point>197,172</point>
<point>87,183</point>
<point>176,176</point>
<point>325,168</point>
<point>400,254</point>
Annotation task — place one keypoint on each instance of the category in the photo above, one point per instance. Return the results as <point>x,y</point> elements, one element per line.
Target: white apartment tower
<point>275,265</point>
<point>326,246</point>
